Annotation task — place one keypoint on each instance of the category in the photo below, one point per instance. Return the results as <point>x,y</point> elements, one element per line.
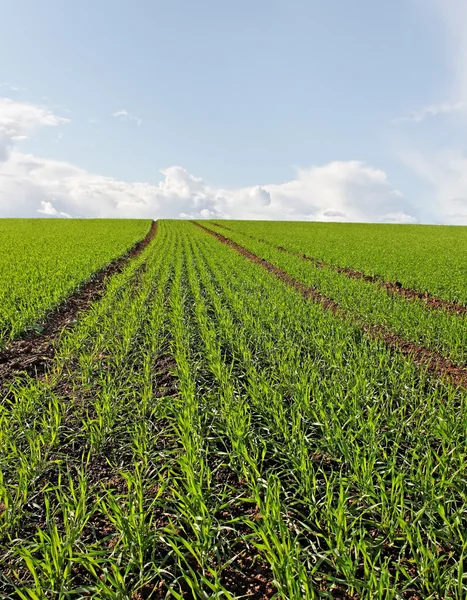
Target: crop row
<point>424,257</point>
<point>208,432</point>
<point>42,262</point>
<point>436,330</point>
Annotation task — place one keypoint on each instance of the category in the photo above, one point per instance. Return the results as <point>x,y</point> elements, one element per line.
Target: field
<point>425,257</point>
<point>43,261</point>
<point>247,410</point>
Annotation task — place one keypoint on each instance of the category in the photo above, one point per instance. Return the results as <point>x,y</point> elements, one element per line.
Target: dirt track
<point>33,352</point>
<point>393,287</point>
<point>435,363</point>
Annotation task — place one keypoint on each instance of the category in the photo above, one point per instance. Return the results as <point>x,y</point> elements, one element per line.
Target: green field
<point>43,261</point>
<point>212,428</point>
<point>437,330</point>
<point>425,257</point>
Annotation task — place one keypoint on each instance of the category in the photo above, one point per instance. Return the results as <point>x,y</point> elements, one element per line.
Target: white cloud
<point>452,16</point>
<point>19,120</point>
<point>48,209</point>
<point>124,115</point>
<point>12,88</point>
<point>334,213</point>
<point>349,190</point>
<point>444,169</point>
<point>433,110</point>
<point>446,172</point>
<point>32,186</point>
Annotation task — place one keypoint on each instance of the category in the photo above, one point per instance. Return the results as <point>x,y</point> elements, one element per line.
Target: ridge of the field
<point>393,287</point>
<point>44,261</point>
<point>435,363</point>
<point>32,352</point>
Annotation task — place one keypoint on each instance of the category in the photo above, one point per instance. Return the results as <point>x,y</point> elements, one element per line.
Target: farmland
<point>425,257</point>
<point>44,261</point>
<point>231,419</point>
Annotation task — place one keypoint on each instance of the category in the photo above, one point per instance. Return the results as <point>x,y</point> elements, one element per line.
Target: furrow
<point>392,287</point>
<point>34,352</point>
<point>85,461</point>
<point>437,364</point>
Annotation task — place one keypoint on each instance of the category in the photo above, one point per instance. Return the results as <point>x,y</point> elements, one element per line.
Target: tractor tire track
<point>33,352</point>
<point>392,287</point>
<point>435,363</point>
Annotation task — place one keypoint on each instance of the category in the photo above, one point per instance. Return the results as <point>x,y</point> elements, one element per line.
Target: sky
<point>254,109</point>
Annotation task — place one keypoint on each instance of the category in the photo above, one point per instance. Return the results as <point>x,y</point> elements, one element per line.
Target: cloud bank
<point>33,186</point>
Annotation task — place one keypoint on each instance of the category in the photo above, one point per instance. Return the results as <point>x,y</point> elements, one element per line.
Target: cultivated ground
<point>239,409</point>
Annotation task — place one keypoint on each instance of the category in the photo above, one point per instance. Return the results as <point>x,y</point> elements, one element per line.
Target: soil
<point>33,352</point>
<point>435,363</point>
<point>392,287</point>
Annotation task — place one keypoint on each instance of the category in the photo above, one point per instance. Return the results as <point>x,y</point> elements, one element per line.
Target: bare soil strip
<point>435,363</point>
<point>33,352</point>
<point>392,287</point>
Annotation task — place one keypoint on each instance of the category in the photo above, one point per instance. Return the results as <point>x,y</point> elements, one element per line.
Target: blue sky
<point>230,99</point>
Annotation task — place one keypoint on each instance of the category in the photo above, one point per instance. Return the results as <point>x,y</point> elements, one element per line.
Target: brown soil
<point>435,363</point>
<point>392,287</point>
<point>33,352</point>
<point>102,474</point>
<point>246,574</point>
